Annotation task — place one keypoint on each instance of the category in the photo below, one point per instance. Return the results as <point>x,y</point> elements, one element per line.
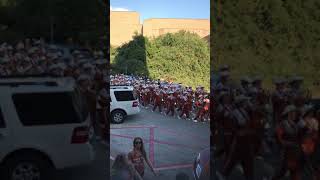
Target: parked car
<point>122,103</point>
<point>43,127</point>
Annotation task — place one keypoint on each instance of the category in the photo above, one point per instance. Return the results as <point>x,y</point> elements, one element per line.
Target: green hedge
<point>269,38</point>
<point>182,57</point>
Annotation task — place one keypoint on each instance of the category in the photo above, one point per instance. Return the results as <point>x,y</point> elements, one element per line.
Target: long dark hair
<point>120,162</point>
<point>143,151</point>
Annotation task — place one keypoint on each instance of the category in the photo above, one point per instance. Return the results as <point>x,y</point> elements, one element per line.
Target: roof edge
<point>126,11</point>
<point>179,19</point>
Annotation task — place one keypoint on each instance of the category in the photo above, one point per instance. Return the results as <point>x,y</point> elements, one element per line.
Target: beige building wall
<point>123,25</point>
<point>159,26</point>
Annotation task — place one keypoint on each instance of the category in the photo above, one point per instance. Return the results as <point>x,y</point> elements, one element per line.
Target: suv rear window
<point>49,108</point>
<point>124,95</point>
<point>2,124</point>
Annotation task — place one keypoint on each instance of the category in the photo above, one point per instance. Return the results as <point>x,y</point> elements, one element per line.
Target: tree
<point>181,57</point>
<point>270,38</point>
<point>80,19</point>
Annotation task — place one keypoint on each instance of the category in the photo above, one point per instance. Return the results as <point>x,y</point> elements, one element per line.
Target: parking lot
<point>171,144</point>
<point>98,170</point>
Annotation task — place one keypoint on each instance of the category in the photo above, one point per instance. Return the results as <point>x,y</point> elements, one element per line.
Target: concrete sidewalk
<point>162,175</point>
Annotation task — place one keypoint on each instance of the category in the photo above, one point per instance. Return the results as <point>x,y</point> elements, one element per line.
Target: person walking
<point>288,138</point>
<point>122,169</point>
<point>138,156</point>
<point>171,104</point>
<point>157,101</point>
<point>242,144</point>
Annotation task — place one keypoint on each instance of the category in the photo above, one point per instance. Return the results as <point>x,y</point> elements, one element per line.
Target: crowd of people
<point>250,123</point>
<point>169,98</point>
<point>35,57</point>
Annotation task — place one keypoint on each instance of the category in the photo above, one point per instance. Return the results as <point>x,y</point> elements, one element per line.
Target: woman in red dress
<point>138,156</point>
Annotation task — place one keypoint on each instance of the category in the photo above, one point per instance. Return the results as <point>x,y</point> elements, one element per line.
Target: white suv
<point>122,103</point>
<point>43,127</point>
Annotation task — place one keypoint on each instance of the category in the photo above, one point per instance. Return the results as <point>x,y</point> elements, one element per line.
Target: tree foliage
<point>180,57</point>
<point>269,38</point>
<point>79,19</point>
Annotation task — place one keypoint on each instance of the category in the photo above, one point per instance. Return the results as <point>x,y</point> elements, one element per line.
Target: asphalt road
<point>98,170</point>
<point>171,143</point>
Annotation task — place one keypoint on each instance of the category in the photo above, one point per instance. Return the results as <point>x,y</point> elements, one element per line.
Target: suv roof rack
<point>33,80</point>
<point>120,87</point>
<point>29,76</point>
<point>16,84</point>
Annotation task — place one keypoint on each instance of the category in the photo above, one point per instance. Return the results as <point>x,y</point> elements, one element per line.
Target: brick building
<point>124,24</point>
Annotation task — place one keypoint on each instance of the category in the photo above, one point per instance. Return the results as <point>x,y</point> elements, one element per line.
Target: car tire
<point>118,116</point>
<point>32,166</point>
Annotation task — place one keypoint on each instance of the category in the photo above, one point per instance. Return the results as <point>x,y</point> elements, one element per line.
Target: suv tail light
<point>80,135</point>
<point>135,104</point>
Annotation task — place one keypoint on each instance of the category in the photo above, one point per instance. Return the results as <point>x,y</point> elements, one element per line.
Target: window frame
<point>29,122</point>
<point>120,100</point>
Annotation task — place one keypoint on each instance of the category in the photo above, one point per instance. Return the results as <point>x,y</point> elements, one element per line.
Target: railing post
<point>151,146</point>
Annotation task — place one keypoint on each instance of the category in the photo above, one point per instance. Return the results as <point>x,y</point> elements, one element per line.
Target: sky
<point>164,8</point>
